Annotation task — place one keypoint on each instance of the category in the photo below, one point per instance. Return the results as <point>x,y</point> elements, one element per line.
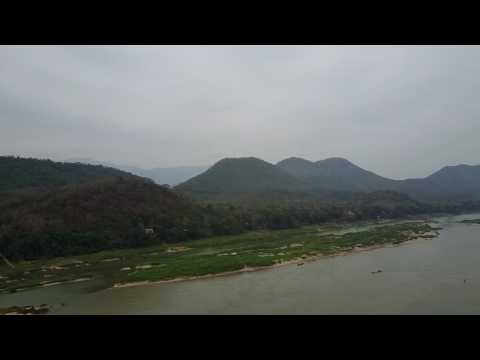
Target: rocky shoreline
<point>25,310</point>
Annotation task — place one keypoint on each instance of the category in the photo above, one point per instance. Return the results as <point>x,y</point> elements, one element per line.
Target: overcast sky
<point>400,111</point>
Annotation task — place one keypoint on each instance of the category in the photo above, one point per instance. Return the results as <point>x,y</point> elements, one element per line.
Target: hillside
<point>22,173</point>
<point>115,211</point>
<point>89,217</point>
<point>452,183</point>
<point>240,175</point>
<point>460,178</point>
<point>336,174</point>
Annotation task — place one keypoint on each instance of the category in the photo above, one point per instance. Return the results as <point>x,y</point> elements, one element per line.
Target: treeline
<point>119,213</point>
<point>23,173</point>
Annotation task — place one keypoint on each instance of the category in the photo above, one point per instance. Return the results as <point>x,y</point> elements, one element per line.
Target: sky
<point>400,111</point>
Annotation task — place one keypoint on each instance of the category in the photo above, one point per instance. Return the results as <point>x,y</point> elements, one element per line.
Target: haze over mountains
<point>230,177</point>
<point>335,174</point>
<point>161,175</point>
<point>246,175</point>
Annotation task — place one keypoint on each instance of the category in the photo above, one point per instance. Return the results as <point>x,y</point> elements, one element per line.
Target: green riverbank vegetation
<point>208,256</point>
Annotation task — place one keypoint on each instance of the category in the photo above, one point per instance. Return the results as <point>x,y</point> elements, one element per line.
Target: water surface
<point>426,276</point>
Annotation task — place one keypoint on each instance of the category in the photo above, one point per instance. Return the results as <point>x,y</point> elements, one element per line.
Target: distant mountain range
<point>230,178</point>
<point>167,175</point>
<point>62,208</point>
<point>335,174</point>
<point>252,175</point>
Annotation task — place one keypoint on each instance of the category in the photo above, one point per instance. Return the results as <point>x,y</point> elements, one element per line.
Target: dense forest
<point>57,209</point>
<point>116,213</point>
<point>231,178</point>
<point>23,173</point>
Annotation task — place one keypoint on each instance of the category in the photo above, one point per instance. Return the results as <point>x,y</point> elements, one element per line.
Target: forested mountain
<point>98,215</point>
<point>460,178</point>
<point>336,174</point>
<point>20,173</point>
<point>330,178</point>
<point>55,209</point>
<point>234,178</point>
<point>115,213</point>
<point>451,183</point>
<point>240,175</point>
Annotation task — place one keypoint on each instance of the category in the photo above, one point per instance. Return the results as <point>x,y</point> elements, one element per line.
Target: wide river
<point>427,276</point>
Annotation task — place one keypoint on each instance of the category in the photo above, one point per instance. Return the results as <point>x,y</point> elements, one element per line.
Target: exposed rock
<point>25,310</point>
<point>294,245</point>
<point>143,267</point>
<point>54,267</point>
<point>178,249</point>
<point>67,262</point>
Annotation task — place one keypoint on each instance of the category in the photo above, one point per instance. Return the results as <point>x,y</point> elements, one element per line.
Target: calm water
<point>434,276</point>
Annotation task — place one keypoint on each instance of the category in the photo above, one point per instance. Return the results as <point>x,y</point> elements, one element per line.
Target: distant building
<point>149,231</point>
<point>350,213</point>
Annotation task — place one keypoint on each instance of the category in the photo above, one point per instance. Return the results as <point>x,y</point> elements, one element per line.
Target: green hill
<point>251,180</point>
<point>233,176</point>
<point>104,214</point>
<point>460,178</point>
<point>336,174</point>
<point>21,173</point>
<point>452,183</point>
<point>48,219</point>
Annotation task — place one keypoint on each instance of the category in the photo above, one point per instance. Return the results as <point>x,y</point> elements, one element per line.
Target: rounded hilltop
<point>243,174</point>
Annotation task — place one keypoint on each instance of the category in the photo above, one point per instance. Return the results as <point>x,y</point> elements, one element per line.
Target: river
<point>425,276</point>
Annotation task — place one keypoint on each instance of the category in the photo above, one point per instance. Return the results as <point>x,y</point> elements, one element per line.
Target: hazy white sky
<point>400,111</point>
